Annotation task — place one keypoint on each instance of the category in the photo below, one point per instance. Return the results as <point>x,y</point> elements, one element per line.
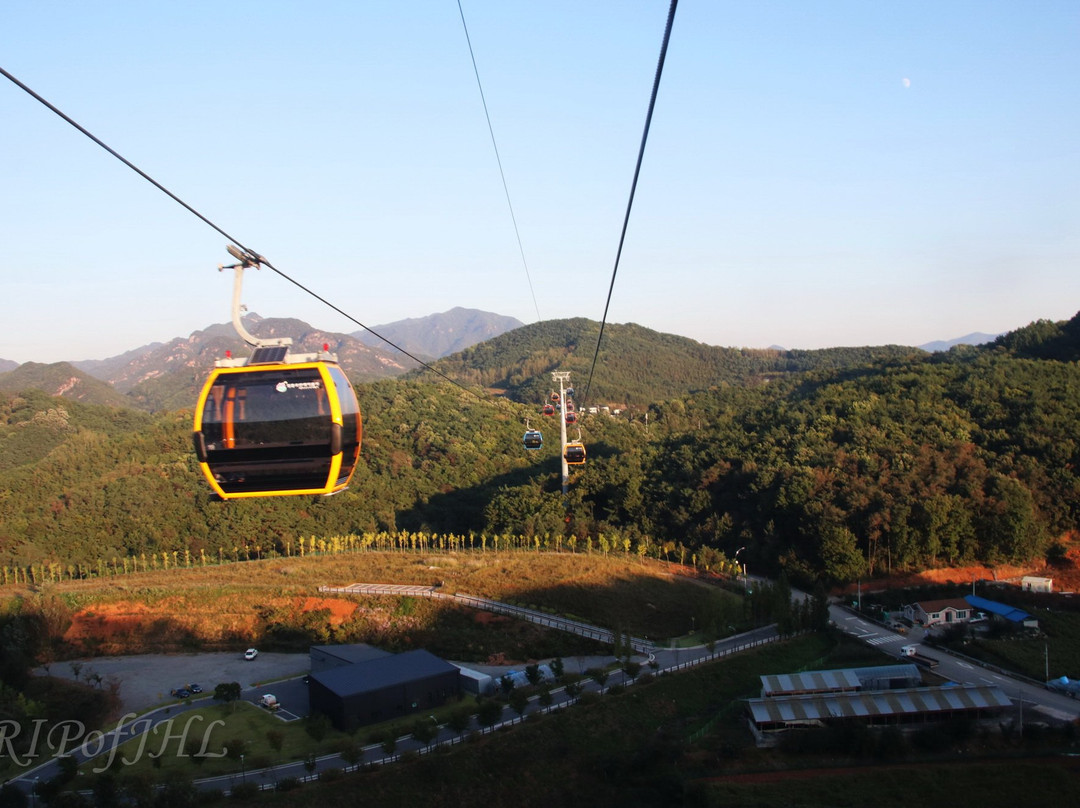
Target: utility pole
<point>562,377</point>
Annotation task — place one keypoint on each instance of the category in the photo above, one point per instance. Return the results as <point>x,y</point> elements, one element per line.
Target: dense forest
<point>832,465</point>
<point>636,366</point>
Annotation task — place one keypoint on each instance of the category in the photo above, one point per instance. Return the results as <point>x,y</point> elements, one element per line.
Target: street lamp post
<point>243,771</point>
<point>744,582</point>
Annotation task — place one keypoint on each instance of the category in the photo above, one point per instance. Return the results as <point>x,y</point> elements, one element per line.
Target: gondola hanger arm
<point>246,259</point>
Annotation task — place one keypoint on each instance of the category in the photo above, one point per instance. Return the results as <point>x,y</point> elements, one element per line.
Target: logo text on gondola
<point>282,387</point>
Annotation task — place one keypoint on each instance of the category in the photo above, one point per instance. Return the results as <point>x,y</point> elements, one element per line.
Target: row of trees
<point>705,559</point>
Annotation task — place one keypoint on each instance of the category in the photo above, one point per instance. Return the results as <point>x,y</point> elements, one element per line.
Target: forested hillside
<point>636,366</point>
<point>870,466</point>
<point>60,379</point>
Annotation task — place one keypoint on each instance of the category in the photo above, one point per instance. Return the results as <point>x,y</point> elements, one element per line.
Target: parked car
<point>194,688</point>
<point>180,693</point>
<point>250,654</point>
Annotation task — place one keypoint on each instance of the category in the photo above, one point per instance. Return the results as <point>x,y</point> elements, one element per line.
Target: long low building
<point>909,705</point>
<point>843,680</point>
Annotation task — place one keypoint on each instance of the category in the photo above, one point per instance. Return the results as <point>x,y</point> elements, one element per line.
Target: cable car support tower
<point>562,377</point>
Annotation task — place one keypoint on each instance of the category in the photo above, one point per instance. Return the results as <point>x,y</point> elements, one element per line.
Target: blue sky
<point>817,174</point>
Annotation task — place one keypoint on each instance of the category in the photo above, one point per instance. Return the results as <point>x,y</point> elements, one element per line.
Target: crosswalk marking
<point>882,640</point>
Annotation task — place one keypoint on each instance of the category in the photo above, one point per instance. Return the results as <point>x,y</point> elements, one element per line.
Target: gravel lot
<point>147,679</point>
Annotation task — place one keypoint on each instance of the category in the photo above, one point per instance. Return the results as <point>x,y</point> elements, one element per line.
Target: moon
<point>906,82</point>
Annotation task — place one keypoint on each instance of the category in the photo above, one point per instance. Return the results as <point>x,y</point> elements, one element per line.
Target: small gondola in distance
<point>548,409</point>
<point>277,429</point>
<point>533,439</point>
<point>571,417</point>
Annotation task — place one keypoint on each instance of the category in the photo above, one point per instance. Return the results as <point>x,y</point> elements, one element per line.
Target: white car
<point>250,654</point>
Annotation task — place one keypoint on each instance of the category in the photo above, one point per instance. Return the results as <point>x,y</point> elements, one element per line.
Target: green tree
<point>227,691</point>
<point>840,557</point>
<point>460,719</point>
<point>532,674</point>
<point>519,701</point>
<point>424,730</point>
<point>488,713</point>
<point>598,675</point>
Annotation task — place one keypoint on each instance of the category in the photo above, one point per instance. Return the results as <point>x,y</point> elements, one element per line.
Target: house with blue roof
<point>1002,611</point>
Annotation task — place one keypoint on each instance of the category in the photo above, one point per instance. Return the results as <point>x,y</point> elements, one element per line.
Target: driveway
<point>145,680</point>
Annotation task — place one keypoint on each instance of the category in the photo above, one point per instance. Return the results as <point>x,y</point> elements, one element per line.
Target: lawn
<point>1055,648</point>
<point>194,743</point>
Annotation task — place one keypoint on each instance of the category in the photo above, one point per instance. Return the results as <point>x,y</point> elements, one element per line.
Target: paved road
<point>1035,695</point>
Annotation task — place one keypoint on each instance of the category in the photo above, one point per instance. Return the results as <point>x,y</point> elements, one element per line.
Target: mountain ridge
<point>638,366</point>
<point>439,335</point>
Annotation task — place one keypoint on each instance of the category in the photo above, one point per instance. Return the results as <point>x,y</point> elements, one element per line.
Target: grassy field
<point>275,604</point>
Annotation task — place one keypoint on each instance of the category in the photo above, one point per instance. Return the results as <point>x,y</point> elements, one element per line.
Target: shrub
<point>244,791</point>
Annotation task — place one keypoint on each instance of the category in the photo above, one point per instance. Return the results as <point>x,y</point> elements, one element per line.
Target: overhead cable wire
<point>633,187</point>
<point>498,159</point>
<point>255,257</point>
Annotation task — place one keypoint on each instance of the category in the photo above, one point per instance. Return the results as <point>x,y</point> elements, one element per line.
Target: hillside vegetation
<point>636,365</point>
<point>852,466</point>
<point>276,604</point>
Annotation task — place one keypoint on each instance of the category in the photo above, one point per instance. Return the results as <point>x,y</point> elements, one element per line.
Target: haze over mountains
<point>164,376</point>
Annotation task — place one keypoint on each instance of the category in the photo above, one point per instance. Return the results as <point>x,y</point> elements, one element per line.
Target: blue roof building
<point>1002,610</point>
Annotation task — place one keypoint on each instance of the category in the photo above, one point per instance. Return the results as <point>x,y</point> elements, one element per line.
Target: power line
<point>254,256</point>
<point>633,186</point>
<point>506,188</point>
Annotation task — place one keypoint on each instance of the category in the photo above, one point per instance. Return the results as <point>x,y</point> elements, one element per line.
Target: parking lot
<point>146,680</point>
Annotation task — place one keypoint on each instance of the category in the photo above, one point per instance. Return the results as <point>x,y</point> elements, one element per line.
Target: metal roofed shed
<point>844,680</point>
<point>791,684</point>
<point>910,705</point>
<point>476,682</point>
<point>1002,610</point>
<point>889,677</point>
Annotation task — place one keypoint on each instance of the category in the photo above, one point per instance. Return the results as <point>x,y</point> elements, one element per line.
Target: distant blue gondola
<point>533,439</point>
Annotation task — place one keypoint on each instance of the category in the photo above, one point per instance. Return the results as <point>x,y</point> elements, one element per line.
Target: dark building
<point>325,657</point>
<point>383,688</point>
